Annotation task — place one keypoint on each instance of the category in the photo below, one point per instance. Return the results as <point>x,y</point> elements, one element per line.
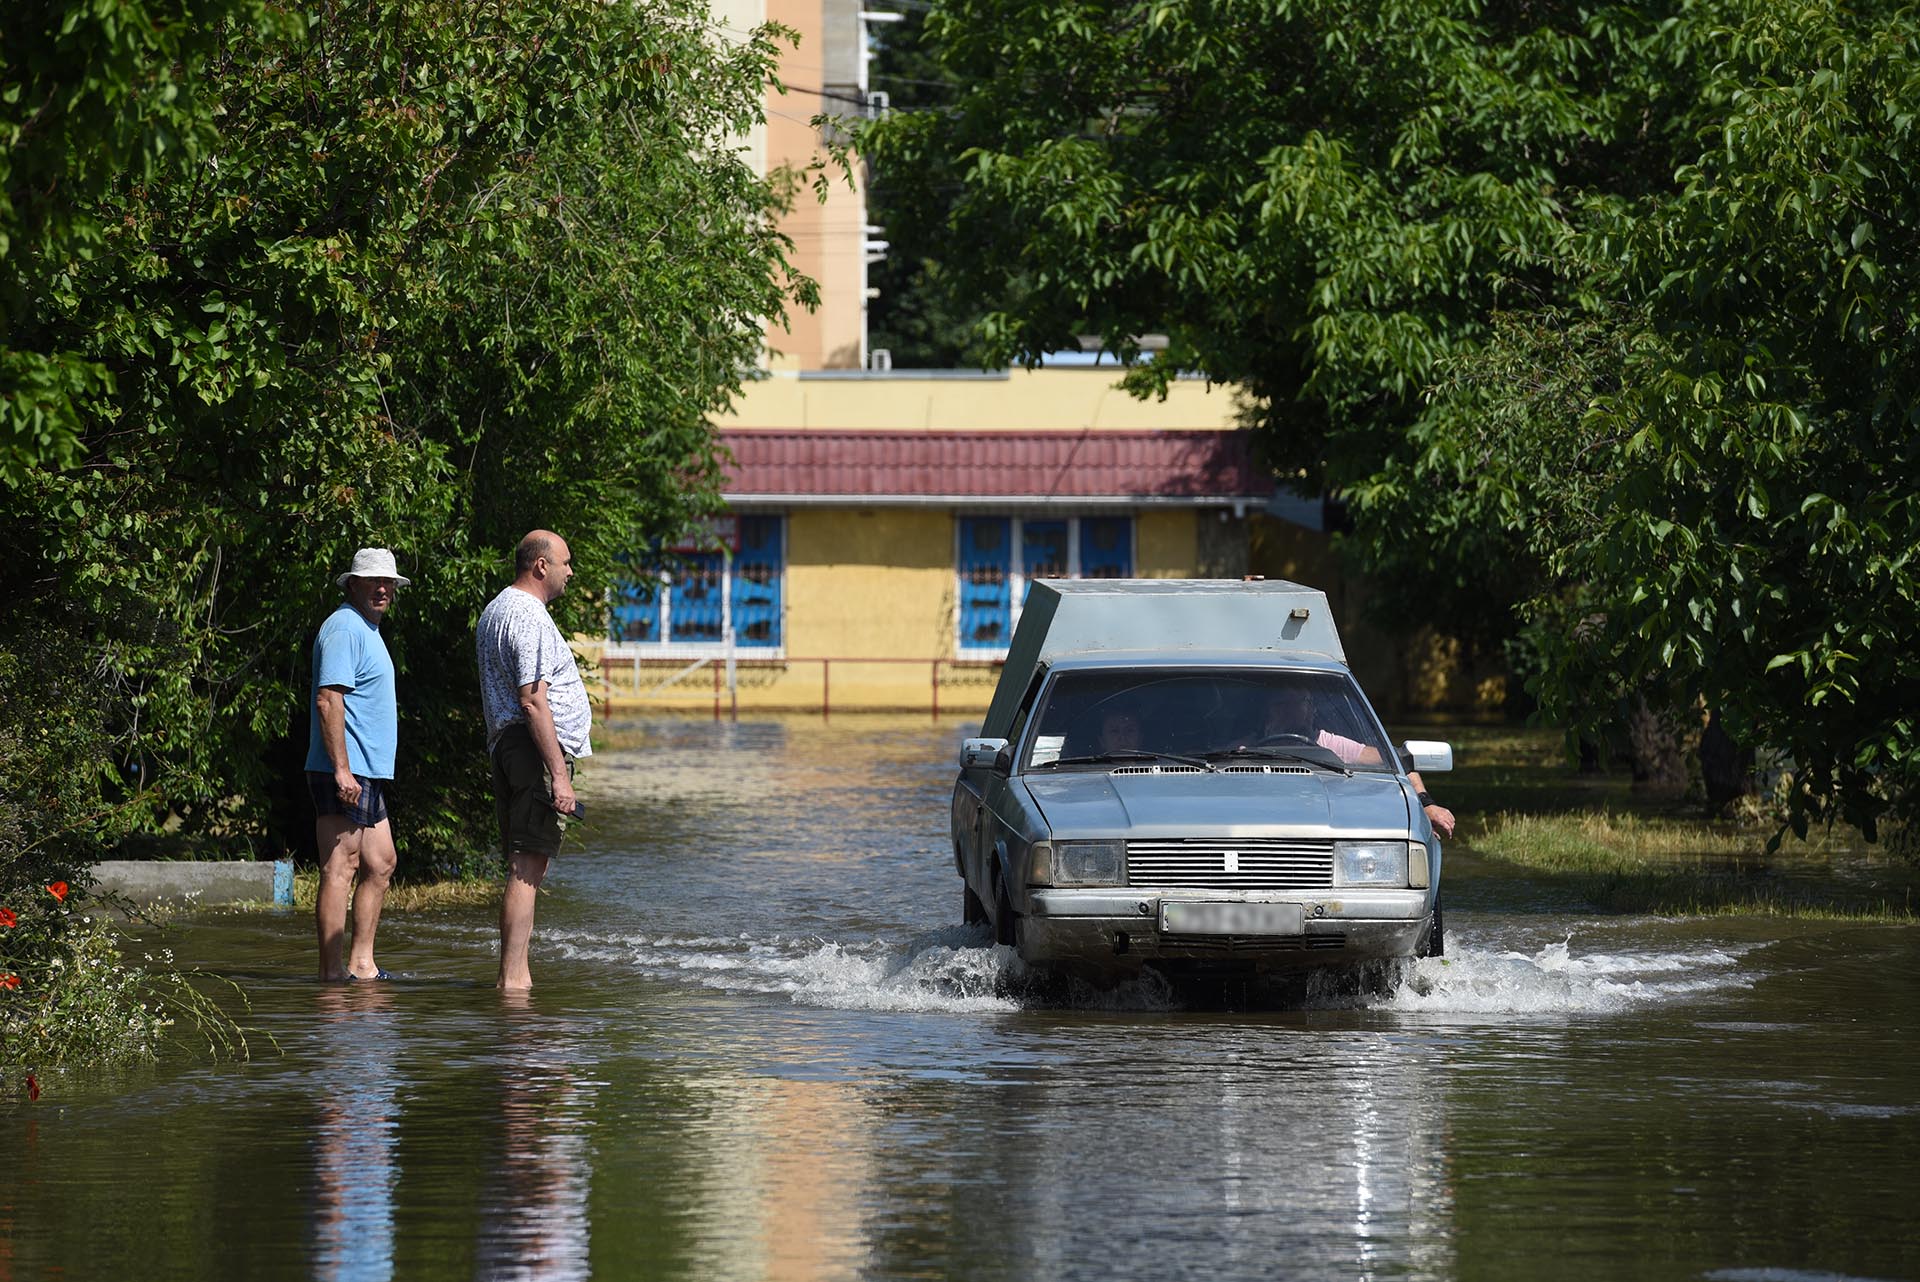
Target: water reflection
<point>784,1170</point>
<point>534,1222</point>
<point>355,1134</point>
<point>1268,1150</point>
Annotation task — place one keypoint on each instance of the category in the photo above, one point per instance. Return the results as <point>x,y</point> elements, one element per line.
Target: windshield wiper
<point>1278,754</point>
<point>1124,754</point>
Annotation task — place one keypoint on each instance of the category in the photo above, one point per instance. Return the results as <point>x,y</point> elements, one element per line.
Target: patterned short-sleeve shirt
<point>517,644</point>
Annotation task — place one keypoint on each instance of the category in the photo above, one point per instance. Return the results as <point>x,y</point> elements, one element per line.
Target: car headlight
<point>1040,864</point>
<point>1370,863</point>
<point>1088,863</point>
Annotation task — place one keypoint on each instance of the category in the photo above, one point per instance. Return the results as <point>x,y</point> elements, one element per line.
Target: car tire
<point>972,911</point>
<point>1434,942</point>
<point>1003,919</point>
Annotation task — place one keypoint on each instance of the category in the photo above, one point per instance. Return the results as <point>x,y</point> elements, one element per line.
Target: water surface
<point>760,1047</point>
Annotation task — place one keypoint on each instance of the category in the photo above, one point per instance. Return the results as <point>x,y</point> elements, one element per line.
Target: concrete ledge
<point>146,881</point>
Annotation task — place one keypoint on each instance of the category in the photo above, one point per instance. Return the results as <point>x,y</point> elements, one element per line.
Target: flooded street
<point>760,1047</point>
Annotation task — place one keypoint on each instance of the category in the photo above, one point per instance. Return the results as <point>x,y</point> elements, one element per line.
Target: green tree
<point>1719,449</point>
<point>1319,202</point>
<point>913,314</point>
<point>91,97</point>
<point>1444,247</point>
<point>282,283</point>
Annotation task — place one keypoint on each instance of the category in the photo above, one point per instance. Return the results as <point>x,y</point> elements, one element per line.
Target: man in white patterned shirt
<point>538,722</point>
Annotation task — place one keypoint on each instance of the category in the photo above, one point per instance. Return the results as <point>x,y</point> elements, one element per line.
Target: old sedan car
<point>1185,775</point>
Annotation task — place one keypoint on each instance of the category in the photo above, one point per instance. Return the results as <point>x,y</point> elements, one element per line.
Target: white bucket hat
<point>374,563</point>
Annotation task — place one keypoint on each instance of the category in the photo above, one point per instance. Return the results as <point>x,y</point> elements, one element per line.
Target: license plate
<point>1182,917</point>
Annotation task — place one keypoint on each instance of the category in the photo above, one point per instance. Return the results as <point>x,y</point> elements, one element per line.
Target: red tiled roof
<point>1000,465</point>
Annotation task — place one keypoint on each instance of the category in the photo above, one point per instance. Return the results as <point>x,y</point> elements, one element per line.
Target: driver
<point>1119,731</point>
<point>1291,715</point>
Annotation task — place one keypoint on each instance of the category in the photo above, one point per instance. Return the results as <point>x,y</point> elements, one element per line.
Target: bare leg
<point>339,840</point>
<point>377,860</point>
<point>525,872</point>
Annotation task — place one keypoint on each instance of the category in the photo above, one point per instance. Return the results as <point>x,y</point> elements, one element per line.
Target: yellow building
<point>883,529</point>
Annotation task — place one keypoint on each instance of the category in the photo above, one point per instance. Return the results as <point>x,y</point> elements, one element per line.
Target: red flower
<point>58,890</point>
<point>7,918</point>
<point>33,1087</point>
<point>9,981</point>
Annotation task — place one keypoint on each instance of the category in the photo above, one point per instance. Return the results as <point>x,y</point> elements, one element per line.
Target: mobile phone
<point>579,809</point>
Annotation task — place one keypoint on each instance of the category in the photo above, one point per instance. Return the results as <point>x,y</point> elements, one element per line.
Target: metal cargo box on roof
<point>1082,616</point>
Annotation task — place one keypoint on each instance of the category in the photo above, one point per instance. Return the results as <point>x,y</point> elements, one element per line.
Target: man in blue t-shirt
<point>350,750</point>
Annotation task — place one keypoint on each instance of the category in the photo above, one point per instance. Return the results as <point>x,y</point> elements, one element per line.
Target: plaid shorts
<point>371,809</point>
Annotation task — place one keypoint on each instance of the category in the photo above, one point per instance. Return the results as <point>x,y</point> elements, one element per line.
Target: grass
<point>1522,803</point>
<point>407,897</point>
<point>1655,863</point>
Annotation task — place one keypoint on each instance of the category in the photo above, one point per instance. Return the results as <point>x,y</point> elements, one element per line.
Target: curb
<point>146,881</point>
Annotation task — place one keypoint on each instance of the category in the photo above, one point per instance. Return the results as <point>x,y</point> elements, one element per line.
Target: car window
<point>1099,715</point>
<point>1019,726</point>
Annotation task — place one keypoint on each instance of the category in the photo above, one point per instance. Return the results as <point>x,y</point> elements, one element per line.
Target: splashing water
<point>959,969</point>
<point>1555,980</point>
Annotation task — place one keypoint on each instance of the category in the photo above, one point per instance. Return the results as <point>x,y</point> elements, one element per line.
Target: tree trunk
<point>1726,768</point>
<point>1657,744</point>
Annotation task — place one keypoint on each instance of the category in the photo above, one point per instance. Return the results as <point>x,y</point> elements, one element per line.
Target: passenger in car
<point>1291,717</point>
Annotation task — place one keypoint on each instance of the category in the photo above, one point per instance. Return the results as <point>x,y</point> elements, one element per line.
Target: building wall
<point>1165,545</point>
<point>736,20</point>
<point>1042,400</point>
<point>828,236</point>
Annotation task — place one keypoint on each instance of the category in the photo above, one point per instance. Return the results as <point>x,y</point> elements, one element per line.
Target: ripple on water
<point>958,969</point>
<point>1766,1274</point>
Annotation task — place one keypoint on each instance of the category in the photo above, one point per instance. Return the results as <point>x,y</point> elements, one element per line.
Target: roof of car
<point>1194,659</point>
<point>1285,622</point>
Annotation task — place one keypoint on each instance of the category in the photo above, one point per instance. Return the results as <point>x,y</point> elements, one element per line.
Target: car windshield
<point>1096,718</point>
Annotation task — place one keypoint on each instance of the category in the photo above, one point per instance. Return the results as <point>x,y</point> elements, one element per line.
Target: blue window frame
<point>755,586</point>
<point>636,609</point>
<point>999,557</point>
<point>705,594</point>
<point>1044,552</point>
<point>1106,547</point>
<point>986,578</point>
<point>696,599</point>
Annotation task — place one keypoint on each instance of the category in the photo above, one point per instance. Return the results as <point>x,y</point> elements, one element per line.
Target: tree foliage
<point>1319,202</point>
<point>282,283</point>
<point>1595,315</point>
<point>1724,461</point>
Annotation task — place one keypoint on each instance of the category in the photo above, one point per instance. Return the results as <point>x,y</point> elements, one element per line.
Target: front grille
<point>1236,863</point>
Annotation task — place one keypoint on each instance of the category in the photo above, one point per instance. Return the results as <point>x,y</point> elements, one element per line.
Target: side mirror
<point>1429,755</point>
<point>984,754</point>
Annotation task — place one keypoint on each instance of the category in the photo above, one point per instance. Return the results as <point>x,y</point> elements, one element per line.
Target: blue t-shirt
<point>349,652</point>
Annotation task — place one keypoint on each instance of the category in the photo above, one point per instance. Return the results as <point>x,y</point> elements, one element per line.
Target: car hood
<point>1165,805</point>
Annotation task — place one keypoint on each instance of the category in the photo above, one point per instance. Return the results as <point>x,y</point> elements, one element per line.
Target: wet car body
<point>1199,838</point>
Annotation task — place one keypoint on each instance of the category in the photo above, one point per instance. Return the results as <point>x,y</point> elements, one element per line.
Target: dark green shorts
<point>523,795</point>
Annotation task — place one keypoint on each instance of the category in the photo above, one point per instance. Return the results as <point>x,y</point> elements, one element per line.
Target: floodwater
<point>760,1048</point>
